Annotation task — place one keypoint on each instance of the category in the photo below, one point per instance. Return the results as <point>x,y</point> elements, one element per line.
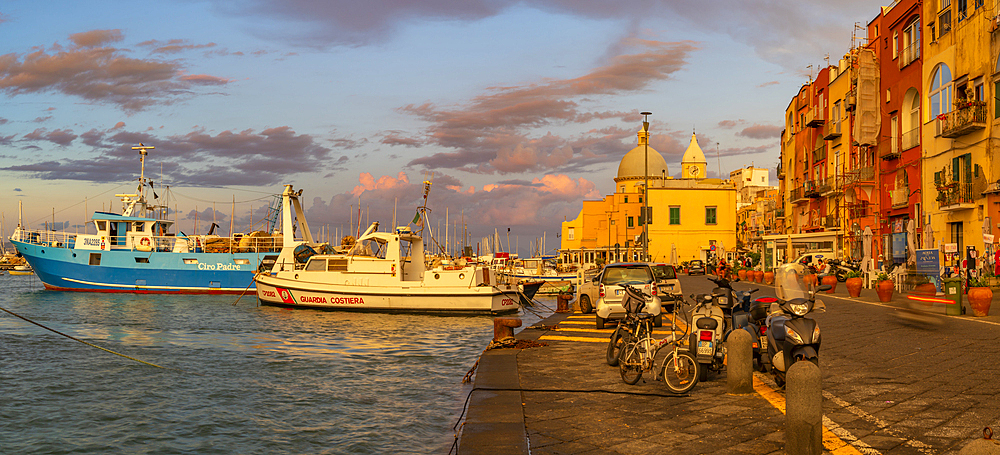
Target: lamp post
<point>645,186</point>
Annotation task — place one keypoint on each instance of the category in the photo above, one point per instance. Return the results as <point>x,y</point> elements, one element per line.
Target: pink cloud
<point>96,72</point>
<point>490,133</point>
<point>761,131</point>
<point>368,183</point>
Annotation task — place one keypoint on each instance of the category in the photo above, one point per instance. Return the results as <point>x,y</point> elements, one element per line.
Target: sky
<point>517,111</point>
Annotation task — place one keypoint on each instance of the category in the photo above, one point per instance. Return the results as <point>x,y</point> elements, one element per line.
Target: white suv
<point>610,292</point>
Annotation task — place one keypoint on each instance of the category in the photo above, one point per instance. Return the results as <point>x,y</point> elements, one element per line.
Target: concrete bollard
<point>504,327</point>
<point>803,409</point>
<point>739,362</point>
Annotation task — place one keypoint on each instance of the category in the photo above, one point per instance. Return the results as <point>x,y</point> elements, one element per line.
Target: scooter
<point>791,335</point>
<point>706,341</point>
<point>746,314</point>
<point>841,268</point>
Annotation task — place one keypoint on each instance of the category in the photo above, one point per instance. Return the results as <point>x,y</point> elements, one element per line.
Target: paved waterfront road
<point>902,386</point>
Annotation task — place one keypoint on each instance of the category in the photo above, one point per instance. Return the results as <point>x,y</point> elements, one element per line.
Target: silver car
<point>611,293</point>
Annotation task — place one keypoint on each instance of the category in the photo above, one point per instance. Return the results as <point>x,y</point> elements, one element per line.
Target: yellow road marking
<point>574,329</point>
<point>830,441</point>
<point>584,339</point>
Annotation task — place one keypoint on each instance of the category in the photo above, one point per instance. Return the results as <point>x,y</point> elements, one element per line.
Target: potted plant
<point>741,272</point>
<point>830,279</point>
<point>884,287</point>
<point>769,277</point>
<point>980,295</point>
<point>854,283</point>
<point>758,276</point>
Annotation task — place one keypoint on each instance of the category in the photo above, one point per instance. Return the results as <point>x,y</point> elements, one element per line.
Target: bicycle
<point>679,370</point>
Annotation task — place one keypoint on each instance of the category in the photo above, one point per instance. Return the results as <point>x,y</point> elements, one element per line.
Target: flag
<point>417,220</point>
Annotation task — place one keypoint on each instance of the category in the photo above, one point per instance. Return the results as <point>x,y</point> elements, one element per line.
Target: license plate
<point>704,348</point>
<point>763,342</point>
<point>618,292</point>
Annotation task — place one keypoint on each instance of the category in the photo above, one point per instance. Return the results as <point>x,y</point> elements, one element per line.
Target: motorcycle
<point>746,314</point>
<point>706,342</point>
<point>792,336</point>
<point>840,268</point>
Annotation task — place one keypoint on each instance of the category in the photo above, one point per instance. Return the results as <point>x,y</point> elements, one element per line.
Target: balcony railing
<point>815,116</point>
<point>851,99</point>
<point>796,194</point>
<point>831,130</point>
<point>780,213</point>
<point>819,153</point>
<point>909,54</point>
<point>955,196</point>
<point>833,185</point>
<point>865,175</point>
<point>810,189</point>
<point>888,149</point>
<point>900,197</point>
<point>910,139</point>
<point>832,221</point>
<point>964,120</point>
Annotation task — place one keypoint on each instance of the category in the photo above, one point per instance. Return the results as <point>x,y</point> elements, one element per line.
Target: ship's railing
<point>170,243</point>
<point>45,238</point>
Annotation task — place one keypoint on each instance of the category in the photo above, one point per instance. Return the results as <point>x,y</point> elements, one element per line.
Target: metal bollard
<point>739,362</point>
<point>504,327</point>
<point>803,409</point>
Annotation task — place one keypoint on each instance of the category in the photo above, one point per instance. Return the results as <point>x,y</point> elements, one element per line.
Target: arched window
<point>940,96</point>
<point>910,119</point>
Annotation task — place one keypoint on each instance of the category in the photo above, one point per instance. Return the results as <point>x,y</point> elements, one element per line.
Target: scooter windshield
<point>789,283</point>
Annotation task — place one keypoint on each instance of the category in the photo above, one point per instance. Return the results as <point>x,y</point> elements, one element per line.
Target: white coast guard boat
<point>383,271</point>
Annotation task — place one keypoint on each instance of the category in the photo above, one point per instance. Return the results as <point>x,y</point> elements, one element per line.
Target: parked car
<point>666,279</point>
<point>610,292</point>
<point>587,289</point>
<point>696,267</point>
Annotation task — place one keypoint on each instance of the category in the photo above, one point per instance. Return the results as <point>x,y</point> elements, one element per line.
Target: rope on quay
<point>95,346</point>
<point>245,290</point>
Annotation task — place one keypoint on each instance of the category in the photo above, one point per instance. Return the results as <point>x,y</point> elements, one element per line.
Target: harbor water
<point>255,379</point>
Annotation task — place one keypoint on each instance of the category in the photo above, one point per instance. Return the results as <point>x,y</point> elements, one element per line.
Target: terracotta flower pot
<point>926,289</point>
<point>758,276</point>
<point>742,274</point>
<point>885,289</point>
<point>733,276</point>
<point>832,281</point>
<point>854,286</point>
<point>809,279</point>
<point>980,300</point>
<point>769,277</point>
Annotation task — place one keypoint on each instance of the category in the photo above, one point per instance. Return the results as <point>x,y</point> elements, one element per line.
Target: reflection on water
<point>275,380</point>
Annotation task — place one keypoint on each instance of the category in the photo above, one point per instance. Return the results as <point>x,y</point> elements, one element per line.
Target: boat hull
<point>67,269</point>
<point>278,291</point>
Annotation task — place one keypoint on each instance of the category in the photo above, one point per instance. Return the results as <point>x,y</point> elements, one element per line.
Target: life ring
<point>144,244</point>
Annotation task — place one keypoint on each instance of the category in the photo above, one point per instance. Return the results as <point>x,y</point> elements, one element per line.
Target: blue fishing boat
<point>136,252</point>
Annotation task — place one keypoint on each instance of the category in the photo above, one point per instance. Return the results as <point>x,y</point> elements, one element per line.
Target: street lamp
<point>645,187</point>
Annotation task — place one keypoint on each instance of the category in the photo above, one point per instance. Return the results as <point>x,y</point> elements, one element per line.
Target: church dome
<point>634,162</point>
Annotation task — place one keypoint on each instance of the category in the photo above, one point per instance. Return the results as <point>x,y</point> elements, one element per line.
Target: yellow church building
<point>690,217</point>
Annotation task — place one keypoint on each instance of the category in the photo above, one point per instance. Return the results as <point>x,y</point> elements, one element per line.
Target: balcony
<point>909,55</point>
<point>810,189</point>
<point>910,139</point>
<point>831,130</point>
<point>796,195</point>
<point>888,149</point>
<point>955,196</point>
<point>900,197</point>
<point>833,186</point>
<point>819,153</point>
<point>814,117</point>
<point>780,213</point>
<point>851,99</point>
<point>860,176</point>
<point>781,171</point>
<point>831,221</point>
<point>964,120</point>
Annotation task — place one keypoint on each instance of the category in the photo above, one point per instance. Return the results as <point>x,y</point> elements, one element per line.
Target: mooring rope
<point>94,345</point>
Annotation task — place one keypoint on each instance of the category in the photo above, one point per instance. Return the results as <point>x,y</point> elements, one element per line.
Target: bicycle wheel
<point>680,371</point>
<point>615,346</point>
<point>630,364</point>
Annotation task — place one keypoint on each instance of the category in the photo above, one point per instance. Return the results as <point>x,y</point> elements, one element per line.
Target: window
<point>710,215</point>
<point>911,43</point>
<point>316,265</point>
<point>142,260</point>
<point>910,119</point>
<point>630,222</point>
<point>977,89</point>
<point>944,21</point>
<point>940,96</point>
<point>960,9</point>
<point>895,44</point>
<point>894,134</point>
<point>675,215</point>
<point>95,258</point>
<point>626,199</point>
<point>570,234</point>
<point>648,218</point>
<point>956,235</point>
